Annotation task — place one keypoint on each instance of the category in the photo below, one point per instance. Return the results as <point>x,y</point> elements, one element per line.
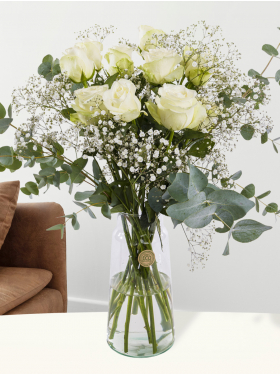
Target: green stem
<point>85,84</point>
<point>127,321</point>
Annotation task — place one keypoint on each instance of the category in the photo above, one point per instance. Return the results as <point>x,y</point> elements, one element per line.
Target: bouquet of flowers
<point>155,137</point>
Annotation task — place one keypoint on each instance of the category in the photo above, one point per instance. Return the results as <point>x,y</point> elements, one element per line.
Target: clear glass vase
<point>140,317</point>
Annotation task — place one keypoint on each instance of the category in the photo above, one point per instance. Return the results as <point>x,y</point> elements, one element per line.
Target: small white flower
<point>96,114</point>
<point>255,97</point>
<point>178,163</point>
<point>21,139</point>
<point>156,132</point>
<point>159,171</point>
<point>103,112</point>
<point>164,167</point>
<point>150,132</point>
<point>142,134</point>
<point>165,159</point>
<point>34,148</point>
<point>140,159</point>
<point>27,135</point>
<point>156,154</point>
<point>116,118</point>
<point>194,64</point>
<point>132,169</point>
<point>100,122</point>
<point>119,163</point>
<point>126,76</point>
<point>85,157</point>
<point>163,187</point>
<point>176,151</point>
<point>152,177</point>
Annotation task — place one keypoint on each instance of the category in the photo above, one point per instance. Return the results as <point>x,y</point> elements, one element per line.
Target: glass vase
<point>140,317</point>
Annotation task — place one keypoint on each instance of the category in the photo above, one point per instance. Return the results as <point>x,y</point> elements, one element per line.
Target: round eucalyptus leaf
<point>179,188</point>
<point>201,218</point>
<point>270,50</point>
<point>247,230</point>
<point>181,211</point>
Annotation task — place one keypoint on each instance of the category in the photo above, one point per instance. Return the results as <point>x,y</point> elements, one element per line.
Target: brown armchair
<point>27,249</point>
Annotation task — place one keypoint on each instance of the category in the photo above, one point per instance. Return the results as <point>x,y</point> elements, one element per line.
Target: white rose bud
<point>146,41</point>
<point>88,104</point>
<point>160,66</point>
<point>119,59</point>
<point>121,101</point>
<point>177,108</point>
<point>80,62</point>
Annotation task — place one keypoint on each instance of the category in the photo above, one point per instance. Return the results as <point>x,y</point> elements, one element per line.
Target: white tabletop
<point>206,343</point>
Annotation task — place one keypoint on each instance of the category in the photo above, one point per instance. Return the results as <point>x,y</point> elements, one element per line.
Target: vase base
<point>138,345</point>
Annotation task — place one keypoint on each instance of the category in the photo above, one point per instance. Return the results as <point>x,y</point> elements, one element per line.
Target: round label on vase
<point>146,258</point>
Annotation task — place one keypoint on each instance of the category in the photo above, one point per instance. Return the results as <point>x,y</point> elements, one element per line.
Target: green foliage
<point>271,208</point>
<point>247,132</point>
<point>248,191</point>
<point>2,111</point>
<point>277,76</point>
<point>105,210</point>
<point>226,217</point>
<point>248,230</point>
<point>181,211</point>
<point>264,138</point>
<point>179,188</point>
<point>155,200</point>
<point>77,167</point>
<point>49,68</point>
<point>86,209</point>
<point>117,209</point>
<point>111,79</point>
<point>57,227</point>
<point>5,124</point>
<point>32,188</point>
<point>98,177</point>
<point>202,148</point>
<point>66,168</point>
<point>76,86</point>
<point>80,196</point>
<point>201,218</point>
<point>270,50</point>
<point>10,111</point>
<point>6,156</point>
<point>254,74</point>
<point>67,112</point>
<point>98,200</point>
<point>197,181</point>
<point>232,201</point>
<point>236,175</point>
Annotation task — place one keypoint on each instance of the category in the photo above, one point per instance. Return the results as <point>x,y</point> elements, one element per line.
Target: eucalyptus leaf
<point>105,210</point>
<point>179,188</point>
<point>80,196</point>
<point>270,50</point>
<point>197,181</point>
<point>264,195</point>
<point>66,168</point>
<point>2,111</point>
<point>56,179</point>
<point>98,200</point>
<point>117,209</point>
<point>271,208</point>
<point>249,191</point>
<point>236,175</point>
<point>32,188</point>
<point>226,217</point>
<point>10,111</point>
<point>275,148</point>
<point>75,222</point>
<point>77,166</point>
<point>257,205</point>
<point>238,205</point>
<point>248,230</point>
<point>277,76</point>
<point>264,138</point>
<point>6,156</point>
<point>57,227</point>
<point>47,172</point>
<point>86,209</point>
<point>5,124</point>
<point>201,218</point>
<point>181,211</point>
<point>25,191</point>
<point>247,132</point>
<point>155,200</point>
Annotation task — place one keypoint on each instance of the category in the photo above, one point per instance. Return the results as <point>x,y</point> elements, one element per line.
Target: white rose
<point>146,41</point>
<point>89,102</point>
<point>80,62</point>
<point>160,66</point>
<point>197,66</point>
<point>121,101</point>
<point>177,108</point>
<point>119,59</point>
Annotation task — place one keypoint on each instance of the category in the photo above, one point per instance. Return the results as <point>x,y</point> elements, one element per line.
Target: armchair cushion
<point>8,201</point>
<point>20,284</point>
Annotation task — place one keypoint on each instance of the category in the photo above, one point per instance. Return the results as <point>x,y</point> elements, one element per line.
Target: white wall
<point>247,280</point>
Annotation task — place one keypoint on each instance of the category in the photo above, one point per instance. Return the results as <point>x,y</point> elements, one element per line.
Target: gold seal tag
<point>146,258</point>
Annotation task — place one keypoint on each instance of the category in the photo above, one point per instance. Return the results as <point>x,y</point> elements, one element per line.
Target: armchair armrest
<point>28,244</point>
